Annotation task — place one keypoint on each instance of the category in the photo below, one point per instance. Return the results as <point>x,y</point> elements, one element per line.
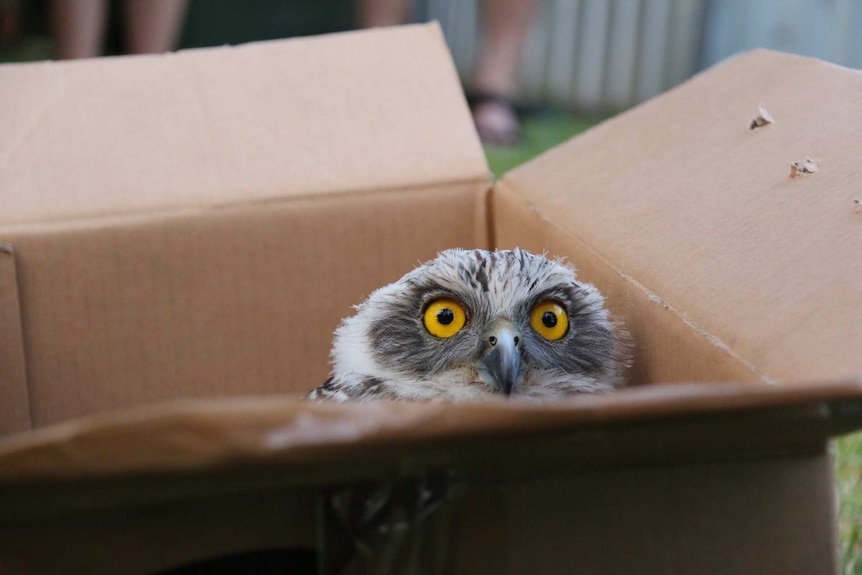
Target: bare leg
<point>375,13</point>
<point>507,23</point>
<point>79,27</point>
<point>153,26</point>
<point>10,22</point>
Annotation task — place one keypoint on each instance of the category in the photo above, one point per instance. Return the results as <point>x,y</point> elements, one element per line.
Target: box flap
<point>216,303</point>
<point>13,383</point>
<point>234,442</point>
<point>683,198</point>
<point>199,128</point>
<point>197,224</point>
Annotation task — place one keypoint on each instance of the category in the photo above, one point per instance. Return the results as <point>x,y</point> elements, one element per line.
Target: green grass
<point>849,471</point>
<point>32,49</point>
<point>540,133</point>
<point>547,131</point>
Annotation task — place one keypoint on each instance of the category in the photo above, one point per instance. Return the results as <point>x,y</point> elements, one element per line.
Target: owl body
<point>472,324</point>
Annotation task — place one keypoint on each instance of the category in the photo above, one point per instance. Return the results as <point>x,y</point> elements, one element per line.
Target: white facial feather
<point>369,359</point>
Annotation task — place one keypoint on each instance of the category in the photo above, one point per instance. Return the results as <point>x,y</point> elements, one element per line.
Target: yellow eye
<point>550,319</point>
<point>444,317</point>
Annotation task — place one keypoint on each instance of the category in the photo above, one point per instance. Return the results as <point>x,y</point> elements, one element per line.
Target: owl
<point>472,324</point>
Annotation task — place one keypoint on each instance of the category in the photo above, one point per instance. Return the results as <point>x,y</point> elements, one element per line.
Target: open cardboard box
<point>183,232</point>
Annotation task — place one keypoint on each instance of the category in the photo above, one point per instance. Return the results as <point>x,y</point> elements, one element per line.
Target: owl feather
<point>471,324</point>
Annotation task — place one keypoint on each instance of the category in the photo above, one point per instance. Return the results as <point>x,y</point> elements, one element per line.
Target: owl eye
<point>444,317</point>
<point>550,320</point>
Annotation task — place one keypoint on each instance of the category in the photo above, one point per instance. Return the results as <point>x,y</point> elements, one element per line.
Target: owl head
<point>477,323</point>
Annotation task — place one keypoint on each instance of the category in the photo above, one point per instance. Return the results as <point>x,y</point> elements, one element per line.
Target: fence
<point>595,55</point>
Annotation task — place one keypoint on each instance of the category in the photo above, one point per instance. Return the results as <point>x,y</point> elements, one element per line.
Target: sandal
<point>497,118</point>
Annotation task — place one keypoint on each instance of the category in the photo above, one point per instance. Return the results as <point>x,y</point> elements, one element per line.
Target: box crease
<point>9,251</point>
<point>144,215</point>
<point>702,332</point>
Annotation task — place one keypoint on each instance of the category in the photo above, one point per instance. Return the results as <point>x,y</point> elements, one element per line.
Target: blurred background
<point>536,72</point>
<point>592,57</point>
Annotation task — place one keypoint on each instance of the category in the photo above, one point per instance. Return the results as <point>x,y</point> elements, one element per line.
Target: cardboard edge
<point>693,326</point>
<point>109,219</point>
<point>270,430</point>
<point>477,168</point>
<point>485,207</point>
<point>745,436</point>
<point>512,173</point>
<point>16,407</point>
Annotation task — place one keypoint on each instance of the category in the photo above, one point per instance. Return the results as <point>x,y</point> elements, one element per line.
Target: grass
<point>540,133</point>
<point>849,472</point>
<point>548,130</point>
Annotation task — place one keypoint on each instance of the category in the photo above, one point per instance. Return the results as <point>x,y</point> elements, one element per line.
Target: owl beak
<point>501,364</point>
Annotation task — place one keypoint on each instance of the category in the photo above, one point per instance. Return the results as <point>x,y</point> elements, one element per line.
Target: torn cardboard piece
<point>762,118</point>
<point>797,169</point>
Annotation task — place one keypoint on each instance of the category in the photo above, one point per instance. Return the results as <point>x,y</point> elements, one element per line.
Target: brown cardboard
<point>206,129</point>
<point>192,226</point>
<point>209,217</point>
<point>165,536</point>
<point>13,383</point>
<point>687,454</point>
<point>187,436</point>
<point>695,214</point>
<point>689,468</point>
<point>647,317</point>
<point>194,285</point>
<point>767,516</point>
<point>770,515</point>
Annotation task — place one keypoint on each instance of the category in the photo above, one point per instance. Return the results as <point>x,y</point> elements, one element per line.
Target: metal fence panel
<point>589,55</point>
<point>594,55</point>
<point>826,29</point>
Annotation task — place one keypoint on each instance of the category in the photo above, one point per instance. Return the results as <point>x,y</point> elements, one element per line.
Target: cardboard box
<point>183,232</point>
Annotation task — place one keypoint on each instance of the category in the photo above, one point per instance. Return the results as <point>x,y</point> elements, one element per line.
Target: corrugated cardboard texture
<point>196,224</point>
<point>319,443</point>
<point>665,349</point>
<point>682,199</point>
<point>15,410</point>
<point>769,517</point>
<point>222,302</point>
<point>164,536</point>
<point>212,127</point>
<point>664,478</point>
